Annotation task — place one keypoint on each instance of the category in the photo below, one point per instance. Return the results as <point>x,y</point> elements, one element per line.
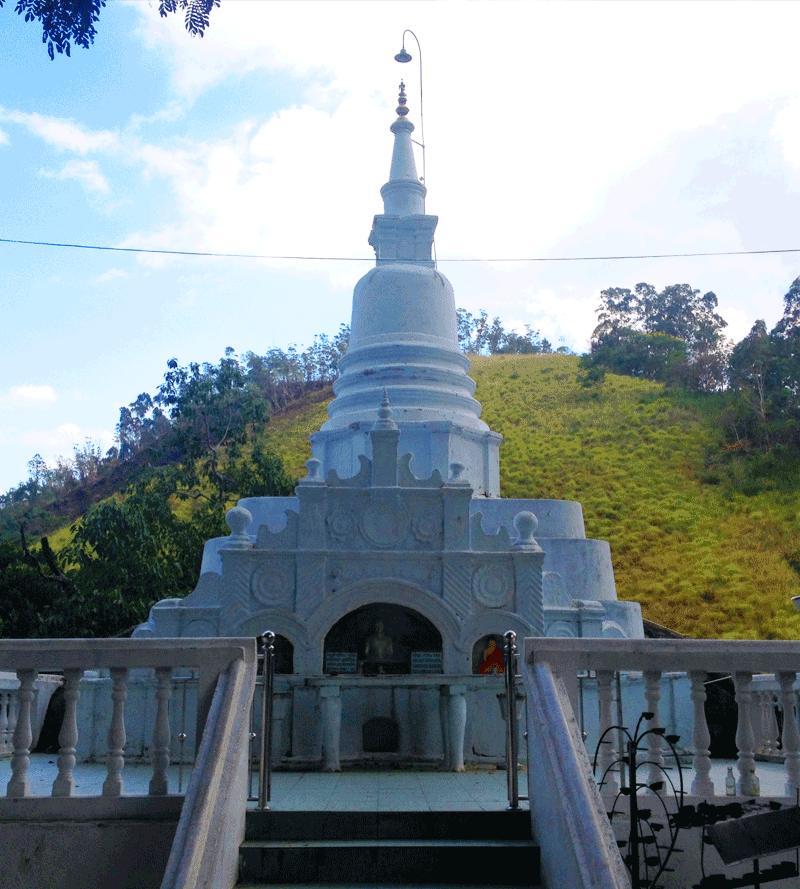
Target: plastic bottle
<point>730,783</point>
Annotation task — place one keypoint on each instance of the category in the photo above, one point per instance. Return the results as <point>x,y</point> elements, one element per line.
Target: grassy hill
<point>701,558</point>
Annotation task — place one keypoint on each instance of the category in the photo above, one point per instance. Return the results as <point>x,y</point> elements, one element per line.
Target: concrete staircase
<point>389,848</point>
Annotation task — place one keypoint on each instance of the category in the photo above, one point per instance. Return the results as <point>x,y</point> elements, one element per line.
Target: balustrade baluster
<point>13,708</point>
<point>702,785</point>
<point>5,698</point>
<point>19,785</point>
<point>607,752</point>
<point>745,740</point>
<point>652,694</point>
<point>790,736</point>
<point>772,725</point>
<point>115,759</point>
<point>161,732</point>
<point>769,722</point>
<point>64,785</point>
<point>757,721</point>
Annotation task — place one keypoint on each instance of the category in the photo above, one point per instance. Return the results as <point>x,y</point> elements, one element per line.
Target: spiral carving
<point>493,584</point>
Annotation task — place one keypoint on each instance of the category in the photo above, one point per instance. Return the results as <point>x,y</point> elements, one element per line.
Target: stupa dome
<point>394,300</point>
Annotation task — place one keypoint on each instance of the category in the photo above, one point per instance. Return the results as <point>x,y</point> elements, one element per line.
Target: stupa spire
<point>403,194</point>
<point>403,231</point>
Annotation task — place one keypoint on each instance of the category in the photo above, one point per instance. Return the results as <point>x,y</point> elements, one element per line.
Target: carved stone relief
<point>493,584</point>
<point>273,583</point>
<point>425,573</point>
<point>384,523</point>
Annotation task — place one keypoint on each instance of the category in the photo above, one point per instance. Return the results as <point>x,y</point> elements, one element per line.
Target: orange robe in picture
<point>492,659</point>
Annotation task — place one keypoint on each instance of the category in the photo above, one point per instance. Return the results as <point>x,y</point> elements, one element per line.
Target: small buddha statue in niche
<point>492,659</point>
<point>378,647</point>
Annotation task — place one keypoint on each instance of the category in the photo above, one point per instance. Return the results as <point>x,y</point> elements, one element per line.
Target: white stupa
<point>392,574</point>
<point>403,338</point>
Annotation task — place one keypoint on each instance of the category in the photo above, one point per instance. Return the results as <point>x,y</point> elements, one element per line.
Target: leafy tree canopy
<point>674,335</point>
<point>65,22</point>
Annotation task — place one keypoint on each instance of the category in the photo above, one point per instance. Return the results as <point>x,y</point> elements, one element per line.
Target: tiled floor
<point>391,791</point>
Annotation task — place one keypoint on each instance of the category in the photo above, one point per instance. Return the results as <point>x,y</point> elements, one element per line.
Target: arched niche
<point>284,655</point>
<point>487,654</point>
<point>383,638</point>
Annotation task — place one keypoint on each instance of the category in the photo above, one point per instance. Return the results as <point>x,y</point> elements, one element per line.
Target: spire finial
<point>402,111</point>
<point>385,420</point>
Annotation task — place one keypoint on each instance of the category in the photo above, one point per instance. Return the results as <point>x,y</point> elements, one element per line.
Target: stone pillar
<point>330,699</point>
<point>528,560</point>
<point>455,713</point>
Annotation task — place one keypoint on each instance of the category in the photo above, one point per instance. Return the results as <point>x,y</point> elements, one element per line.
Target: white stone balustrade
<point>26,659</point>
<point>765,678</point>
<point>43,688</point>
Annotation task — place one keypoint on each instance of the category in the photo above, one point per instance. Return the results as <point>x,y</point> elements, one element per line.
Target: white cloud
<point>65,135</point>
<point>86,172</point>
<point>786,130</point>
<point>4,140</point>
<point>111,275</point>
<point>559,316</point>
<point>33,395</point>
<point>171,113</point>
<point>65,437</point>
<point>264,190</point>
<point>740,324</point>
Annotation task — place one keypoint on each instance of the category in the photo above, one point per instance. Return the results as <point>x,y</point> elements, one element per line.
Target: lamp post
<point>405,56</point>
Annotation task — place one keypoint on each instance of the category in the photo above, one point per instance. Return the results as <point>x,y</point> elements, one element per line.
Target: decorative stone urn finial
<point>402,111</point>
<point>314,476</point>
<point>525,523</point>
<point>238,519</point>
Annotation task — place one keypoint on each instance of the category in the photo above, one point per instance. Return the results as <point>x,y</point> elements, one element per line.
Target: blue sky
<point>552,129</point>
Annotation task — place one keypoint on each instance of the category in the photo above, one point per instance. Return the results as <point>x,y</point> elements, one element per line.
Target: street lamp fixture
<point>404,56</point>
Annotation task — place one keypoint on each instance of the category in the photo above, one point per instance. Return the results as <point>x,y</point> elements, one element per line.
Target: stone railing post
<point>790,736</point>
<point>5,705</point>
<point>19,785</point>
<point>606,755</point>
<point>161,733</point>
<point>64,784</point>
<point>115,759</point>
<point>764,722</point>
<point>744,733</point>
<point>652,694</point>
<point>702,785</point>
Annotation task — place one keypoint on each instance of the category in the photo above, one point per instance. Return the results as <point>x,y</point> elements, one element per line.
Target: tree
<point>674,335</point>
<point>466,327</point>
<point>213,410</point>
<point>763,418</point>
<point>73,21</point>
<point>749,367</point>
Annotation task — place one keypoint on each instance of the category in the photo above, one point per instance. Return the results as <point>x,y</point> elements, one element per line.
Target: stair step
<point>390,861</point>
<point>396,850</point>
<point>289,825</point>
<point>383,843</point>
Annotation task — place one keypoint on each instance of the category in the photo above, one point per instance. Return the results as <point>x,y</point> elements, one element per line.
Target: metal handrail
<point>512,737</point>
<point>268,673</point>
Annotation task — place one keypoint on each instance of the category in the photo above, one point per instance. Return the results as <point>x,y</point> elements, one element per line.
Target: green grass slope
<point>701,560</point>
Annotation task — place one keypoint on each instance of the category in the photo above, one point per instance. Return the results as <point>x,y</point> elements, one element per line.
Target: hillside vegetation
<point>701,558</point>
<point>683,448</point>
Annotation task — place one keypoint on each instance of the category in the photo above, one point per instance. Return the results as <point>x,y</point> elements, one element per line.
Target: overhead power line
<point>372,258</point>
